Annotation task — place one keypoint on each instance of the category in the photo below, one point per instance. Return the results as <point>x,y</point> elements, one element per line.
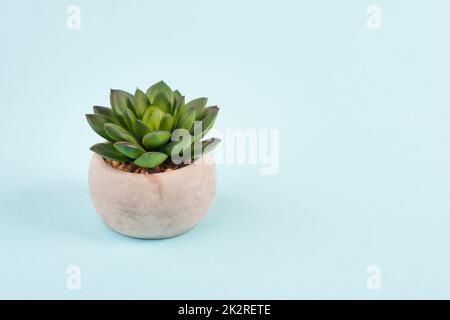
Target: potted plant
<point>152,178</point>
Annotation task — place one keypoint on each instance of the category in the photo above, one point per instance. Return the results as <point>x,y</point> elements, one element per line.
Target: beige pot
<point>152,206</point>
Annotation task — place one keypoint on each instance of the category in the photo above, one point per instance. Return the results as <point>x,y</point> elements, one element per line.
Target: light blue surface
<point>364,118</point>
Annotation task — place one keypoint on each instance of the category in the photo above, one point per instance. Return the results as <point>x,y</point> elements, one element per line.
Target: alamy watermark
<point>373,21</point>
<point>260,147</point>
<point>73,21</point>
<point>373,281</point>
<point>73,281</point>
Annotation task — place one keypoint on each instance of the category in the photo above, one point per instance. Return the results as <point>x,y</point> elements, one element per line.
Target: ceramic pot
<point>152,206</point>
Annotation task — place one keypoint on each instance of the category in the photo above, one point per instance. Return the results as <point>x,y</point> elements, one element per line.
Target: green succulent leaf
<point>128,149</point>
<point>204,147</point>
<point>162,102</point>
<point>147,113</point>
<point>150,159</point>
<point>198,105</point>
<point>141,102</point>
<point>97,123</point>
<point>187,120</point>
<point>179,110</point>
<point>130,101</point>
<point>177,94</point>
<point>130,120</point>
<point>166,122</point>
<point>160,88</point>
<point>209,119</point>
<point>155,119</point>
<point>106,112</point>
<point>156,139</point>
<point>107,150</point>
<point>120,100</point>
<point>118,133</point>
<point>208,110</point>
<point>141,129</point>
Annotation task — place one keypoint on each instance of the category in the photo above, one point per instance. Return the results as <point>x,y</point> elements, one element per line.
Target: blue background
<point>364,119</point>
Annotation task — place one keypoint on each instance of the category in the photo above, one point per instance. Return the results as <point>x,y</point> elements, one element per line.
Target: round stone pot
<point>152,206</point>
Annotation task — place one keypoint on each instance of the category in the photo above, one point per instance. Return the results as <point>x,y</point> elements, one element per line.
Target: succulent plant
<point>147,128</point>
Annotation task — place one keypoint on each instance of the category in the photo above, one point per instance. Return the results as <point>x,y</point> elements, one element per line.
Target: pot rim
<point>195,162</point>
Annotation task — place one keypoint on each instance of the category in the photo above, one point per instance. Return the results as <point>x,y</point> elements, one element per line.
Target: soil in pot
<point>166,166</point>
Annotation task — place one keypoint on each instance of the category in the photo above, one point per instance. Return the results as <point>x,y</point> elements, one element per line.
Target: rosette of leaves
<point>139,128</point>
